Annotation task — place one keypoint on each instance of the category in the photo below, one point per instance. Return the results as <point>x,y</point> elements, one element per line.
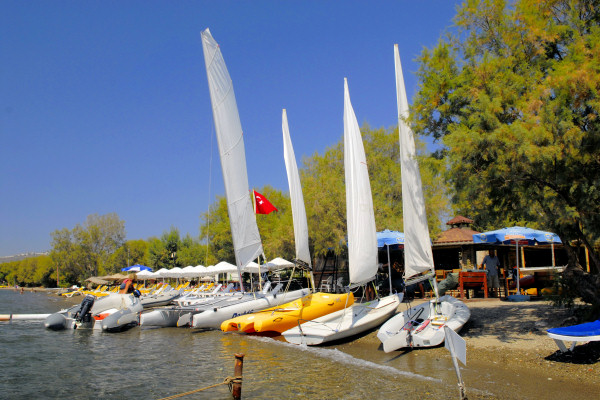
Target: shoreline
<point>509,354</point>
<point>509,351</point>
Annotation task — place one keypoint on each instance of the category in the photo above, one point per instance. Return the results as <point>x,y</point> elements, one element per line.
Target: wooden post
<point>236,389</point>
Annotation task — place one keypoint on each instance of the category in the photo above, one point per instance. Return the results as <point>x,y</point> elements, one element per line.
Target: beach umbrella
<point>278,263</point>
<point>390,238</point>
<point>144,275</point>
<point>511,234</point>
<point>189,272</point>
<point>136,268</point>
<point>254,268</point>
<point>517,235</point>
<point>387,238</point>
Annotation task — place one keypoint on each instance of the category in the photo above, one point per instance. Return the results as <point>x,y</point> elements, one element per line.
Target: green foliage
<point>324,189</point>
<point>514,98</point>
<point>33,271</point>
<point>216,231</point>
<point>277,228</point>
<point>324,193</point>
<point>131,253</point>
<point>87,249</point>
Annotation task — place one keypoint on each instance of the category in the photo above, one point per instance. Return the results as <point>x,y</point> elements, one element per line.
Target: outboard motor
<point>84,314</point>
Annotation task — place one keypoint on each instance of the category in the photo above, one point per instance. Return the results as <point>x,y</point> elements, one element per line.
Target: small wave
<point>341,357</point>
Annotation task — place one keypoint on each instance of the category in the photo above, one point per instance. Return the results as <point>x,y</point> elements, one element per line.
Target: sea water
<point>156,363</point>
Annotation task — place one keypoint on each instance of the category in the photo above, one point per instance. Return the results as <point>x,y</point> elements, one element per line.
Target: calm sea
<point>156,363</point>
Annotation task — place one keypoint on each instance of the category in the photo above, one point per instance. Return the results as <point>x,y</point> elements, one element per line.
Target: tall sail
<point>298,210</point>
<point>417,244</point>
<point>246,239</point>
<point>362,238</point>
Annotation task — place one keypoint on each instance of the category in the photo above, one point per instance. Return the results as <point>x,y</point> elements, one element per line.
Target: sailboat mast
<point>247,243</point>
<point>418,256</point>
<point>297,199</point>
<point>362,235</point>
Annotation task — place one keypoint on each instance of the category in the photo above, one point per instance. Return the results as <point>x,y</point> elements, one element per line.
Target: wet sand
<point>509,355</point>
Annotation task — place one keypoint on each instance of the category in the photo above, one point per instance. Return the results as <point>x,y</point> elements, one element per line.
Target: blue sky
<point>104,105</point>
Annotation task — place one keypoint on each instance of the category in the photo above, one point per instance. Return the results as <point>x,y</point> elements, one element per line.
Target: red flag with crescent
<point>262,205</point>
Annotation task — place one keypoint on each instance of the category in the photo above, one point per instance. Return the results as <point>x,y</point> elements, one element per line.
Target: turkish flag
<point>262,205</point>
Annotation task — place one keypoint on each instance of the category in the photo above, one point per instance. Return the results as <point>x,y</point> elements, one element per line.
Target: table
<point>472,280</point>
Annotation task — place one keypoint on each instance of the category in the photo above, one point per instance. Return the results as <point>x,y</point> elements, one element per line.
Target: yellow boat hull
<point>281,318</point>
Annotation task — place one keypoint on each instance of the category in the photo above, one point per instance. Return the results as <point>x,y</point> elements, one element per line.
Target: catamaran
<point>420,326</point>
<point>246,238</point>
<point>281,318</point>
<point>362,250</point>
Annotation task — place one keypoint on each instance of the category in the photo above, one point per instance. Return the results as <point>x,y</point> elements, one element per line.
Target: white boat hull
<point>212,318</point>
<point>422,325</point>
<point>169,316</point>
<point>358,318</point>
<point>113,313</point>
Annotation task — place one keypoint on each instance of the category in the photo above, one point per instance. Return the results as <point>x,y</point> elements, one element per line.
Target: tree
<point>191,252</point>
<point>216,231</point>
<point>131,253</point>
<point>158,256</point>
<point>276,229</point>
<point>324,194</point>
<point>513,96</point>
<point>88,248</point>
<point>325,197</point>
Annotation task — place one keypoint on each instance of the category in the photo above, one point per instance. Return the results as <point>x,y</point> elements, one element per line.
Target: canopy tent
<point>136,268</point>
<point>518,235</point>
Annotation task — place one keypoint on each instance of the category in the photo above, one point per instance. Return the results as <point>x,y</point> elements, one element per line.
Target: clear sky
<point>104,105</point>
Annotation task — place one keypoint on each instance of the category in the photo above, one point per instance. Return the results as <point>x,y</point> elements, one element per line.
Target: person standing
<point>491,264</point>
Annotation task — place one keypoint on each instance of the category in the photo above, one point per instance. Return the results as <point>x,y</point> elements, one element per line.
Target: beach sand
<point>510,356</point>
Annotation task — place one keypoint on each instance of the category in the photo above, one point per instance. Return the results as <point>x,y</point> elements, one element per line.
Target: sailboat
<point>247,243</point>
<point>281,318</point>
<point>362,250</point>
<point>420,326</point>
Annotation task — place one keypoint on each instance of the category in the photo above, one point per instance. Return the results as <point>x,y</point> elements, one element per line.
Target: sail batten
<point>244,231</point>
<point>362,236</point>
<point>418,257</point>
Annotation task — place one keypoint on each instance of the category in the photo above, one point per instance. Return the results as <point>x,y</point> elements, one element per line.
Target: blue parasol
<point>514,233</point>
<point>517,235</point>
<point>136,268</point>
<point>390,238</point>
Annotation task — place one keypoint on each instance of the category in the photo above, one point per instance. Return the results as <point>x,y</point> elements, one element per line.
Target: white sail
<point>298,210</point>
<point>362,238</point>
<point>418,257</point>
<point>246,239</point>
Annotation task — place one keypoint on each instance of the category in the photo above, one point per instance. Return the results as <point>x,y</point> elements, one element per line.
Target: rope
<point>228,381</point>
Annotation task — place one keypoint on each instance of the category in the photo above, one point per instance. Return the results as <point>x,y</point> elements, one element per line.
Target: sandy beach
<point>510,356</point>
